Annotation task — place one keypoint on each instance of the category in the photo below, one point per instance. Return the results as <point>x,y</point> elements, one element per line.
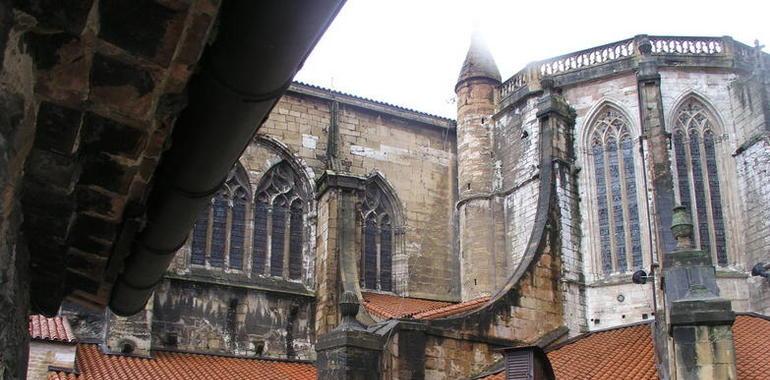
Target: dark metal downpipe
<point>259,47</point>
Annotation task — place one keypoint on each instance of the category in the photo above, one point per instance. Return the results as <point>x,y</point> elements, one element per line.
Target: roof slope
<point>55,329</point>
<point>627,352</point>
<point>95,365</point>
<point>751,334</point>
<point>620,353</point>
<point>389,306</point>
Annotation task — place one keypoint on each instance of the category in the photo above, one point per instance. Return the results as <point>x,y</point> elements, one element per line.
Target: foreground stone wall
<point>203,317</point>
<point>17,126</point>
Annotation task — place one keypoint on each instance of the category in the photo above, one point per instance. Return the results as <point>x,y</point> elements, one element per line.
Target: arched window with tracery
<point>616,211</point>
<point>695,164</point>
<point>377,240</point>
<point>218,234</point>
<point>278,224</point>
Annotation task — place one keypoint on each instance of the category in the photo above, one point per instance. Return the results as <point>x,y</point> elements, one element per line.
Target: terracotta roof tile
<point>389,306</point>
<point>752,346</point>
<point>95,365</point>
<point>62,376</point>
<point>55,329</point>
<point>627,353</point>
<point>450,310</point>
<point>620,353</point>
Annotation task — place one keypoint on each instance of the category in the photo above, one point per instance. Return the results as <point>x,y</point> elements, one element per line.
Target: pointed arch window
<point>695,165</point>
<point>218,234</point>
<point>377,240</point>
<point>278,224</point>
<point>614,179</point>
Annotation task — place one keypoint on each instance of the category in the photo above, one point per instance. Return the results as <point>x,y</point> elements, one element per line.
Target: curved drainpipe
<point>259,47</point>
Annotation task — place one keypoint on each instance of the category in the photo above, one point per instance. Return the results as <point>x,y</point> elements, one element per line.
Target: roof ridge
<point>371,100</point>
<point>594,332</point>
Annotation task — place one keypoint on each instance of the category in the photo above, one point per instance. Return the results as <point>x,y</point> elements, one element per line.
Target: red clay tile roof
<point>62,376</point>
<point>55,329</point>
<point>619,353</point>
<point>95,365</point>
<point>627,353</point>
<point>454,309</point>
<point>389,306</point>
<point>751,334</point>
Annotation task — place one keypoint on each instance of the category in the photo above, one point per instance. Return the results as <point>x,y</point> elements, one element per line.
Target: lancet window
<point>278,224</point>
<point>377,240</point>
<point>616,205</point>
<point>695,164</point>
<point>218,234</point>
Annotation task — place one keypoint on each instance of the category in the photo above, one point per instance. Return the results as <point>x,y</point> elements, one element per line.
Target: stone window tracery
<point>377,240</point>
<point>212,244</point>
<point>612,155</point>
<point>698,186</point>
<point>278,224</point>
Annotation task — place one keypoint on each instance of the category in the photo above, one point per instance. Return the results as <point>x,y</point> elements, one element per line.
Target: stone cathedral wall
<point>210,309</point>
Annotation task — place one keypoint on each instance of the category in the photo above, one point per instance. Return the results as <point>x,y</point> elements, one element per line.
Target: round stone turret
<point>478,63</point>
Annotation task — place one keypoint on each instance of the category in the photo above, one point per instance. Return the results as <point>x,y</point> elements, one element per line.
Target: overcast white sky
<point>409,52</point>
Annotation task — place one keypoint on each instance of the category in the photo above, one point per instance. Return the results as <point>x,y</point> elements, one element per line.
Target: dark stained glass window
<point>617,203</point>
<point>627,146</point>
<point>601,201</point>
<point>701,222</point>
<point>370,253</point>
<point>617,213</point>
<point>377,248</point>
<point>716,198</point>
<point>199,238</point>
<point>277,237</point>
<point>295,241</point>
<point>386,255</point>
<point>681,170</point>
<point>227,210</point>
<point>218,232</point>
<point>259,245</point>
<point>237,233</point>
<point>698,184</point>
<point>286,228</point>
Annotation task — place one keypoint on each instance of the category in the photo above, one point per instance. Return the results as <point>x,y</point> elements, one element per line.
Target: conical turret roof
<point>479,62</point>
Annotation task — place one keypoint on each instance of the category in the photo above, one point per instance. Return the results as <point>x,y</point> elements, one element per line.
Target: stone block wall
<point>45,354</point>
<point>204,317</point>
<point>449,358</point>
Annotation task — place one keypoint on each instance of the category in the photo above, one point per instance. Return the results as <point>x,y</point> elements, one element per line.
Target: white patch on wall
<point>64,356</point>
<point>309,141</point>
<point>385,153</point>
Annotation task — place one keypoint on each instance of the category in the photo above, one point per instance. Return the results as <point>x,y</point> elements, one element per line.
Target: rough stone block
<point>57,128</point>
<point>69,15</point>
<point>53,169</point>
<point>121,86</point>
<point>101,134</point>
<point>107,174</point>
<point>142,27</point>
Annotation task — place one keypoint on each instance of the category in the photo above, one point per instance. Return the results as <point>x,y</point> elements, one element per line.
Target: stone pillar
<point>337,251</point>
<point>557,125</point>
<point>699,320</point>
<point>654,130</point>
<point>475,90</point>
<point>349,352</point>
